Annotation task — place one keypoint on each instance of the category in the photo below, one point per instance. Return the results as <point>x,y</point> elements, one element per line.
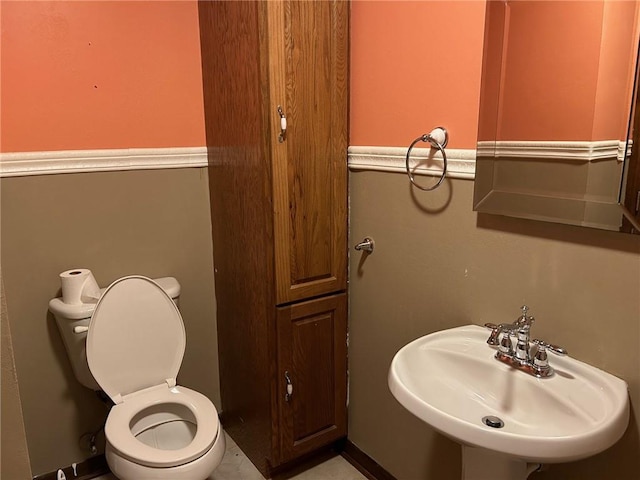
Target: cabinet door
<point>308,62</point>
<point>312,360</point>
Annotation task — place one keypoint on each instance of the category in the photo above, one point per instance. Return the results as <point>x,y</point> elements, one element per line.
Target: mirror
<point>558,83</point>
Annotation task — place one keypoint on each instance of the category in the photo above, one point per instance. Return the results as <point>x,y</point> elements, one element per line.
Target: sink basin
<point>451,381</point>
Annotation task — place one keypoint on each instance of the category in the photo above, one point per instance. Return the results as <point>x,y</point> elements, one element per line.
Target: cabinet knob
<point>282,136</point>
<point>289,394</point>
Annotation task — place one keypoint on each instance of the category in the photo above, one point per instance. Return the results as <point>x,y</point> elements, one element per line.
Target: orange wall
<point>415,66</point>
<point>84,75</point>
<point>120,74</point>
<point>615,77</point>
<point>100,74</point>
<point>566,70</point>
<point>539,76</point>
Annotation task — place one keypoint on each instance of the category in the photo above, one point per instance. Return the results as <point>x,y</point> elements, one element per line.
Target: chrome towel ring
<point>438,138</point>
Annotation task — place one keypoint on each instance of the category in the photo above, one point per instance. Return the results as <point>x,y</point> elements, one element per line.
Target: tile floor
<point>236,466</point>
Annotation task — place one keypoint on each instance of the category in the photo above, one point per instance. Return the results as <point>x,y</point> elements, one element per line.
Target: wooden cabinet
<point>279,219</point>
<point>312,357</point>
<point>308,80</point>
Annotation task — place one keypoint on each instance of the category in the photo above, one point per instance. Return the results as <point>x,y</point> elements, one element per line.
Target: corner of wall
<point>14,455</point>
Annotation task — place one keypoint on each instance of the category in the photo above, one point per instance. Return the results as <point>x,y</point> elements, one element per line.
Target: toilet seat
<point>136,338</point>
<point>135,345</point>
<point>119,434</point>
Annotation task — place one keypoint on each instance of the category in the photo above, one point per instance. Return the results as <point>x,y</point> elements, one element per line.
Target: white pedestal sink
<point>483,464</point>
<point>451,381</point>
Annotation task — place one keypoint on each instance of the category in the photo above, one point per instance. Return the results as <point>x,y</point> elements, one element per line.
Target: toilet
<point>134,348</point>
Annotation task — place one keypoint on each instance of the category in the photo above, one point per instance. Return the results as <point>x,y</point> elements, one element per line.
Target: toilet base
<point>198,469</point>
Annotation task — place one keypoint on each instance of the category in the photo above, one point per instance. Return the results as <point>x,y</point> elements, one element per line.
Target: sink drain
<point>492,421</point>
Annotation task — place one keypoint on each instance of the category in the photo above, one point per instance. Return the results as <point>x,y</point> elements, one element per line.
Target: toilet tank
<point>73,323</point>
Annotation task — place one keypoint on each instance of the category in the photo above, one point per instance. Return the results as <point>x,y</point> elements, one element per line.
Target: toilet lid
<point>136,338</point>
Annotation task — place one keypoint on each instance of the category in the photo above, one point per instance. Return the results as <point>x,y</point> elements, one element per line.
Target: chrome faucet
<point>527,355</point>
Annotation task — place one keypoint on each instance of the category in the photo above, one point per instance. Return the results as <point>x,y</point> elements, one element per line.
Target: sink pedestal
<point>483,464</point>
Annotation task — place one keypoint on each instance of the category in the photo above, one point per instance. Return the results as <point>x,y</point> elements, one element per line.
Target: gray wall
<point>155,223</point>
<point>14,455</point>
<point>437,264</point>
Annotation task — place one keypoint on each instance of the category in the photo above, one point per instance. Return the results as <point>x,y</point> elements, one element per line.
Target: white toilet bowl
<point>156,429</point>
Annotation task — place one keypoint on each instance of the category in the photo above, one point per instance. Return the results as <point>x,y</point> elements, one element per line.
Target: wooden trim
<point>278,97</point>
<point>90,468</point>
<point>364,463</point>
<point>307,461</point>
<point>265,45</point>
<point>340,134</point>
<point>631,178</point>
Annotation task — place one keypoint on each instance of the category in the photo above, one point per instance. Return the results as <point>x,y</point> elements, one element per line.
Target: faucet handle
<point>550,347</point>
<point>540,361</point>
<point>495,333</point>
<point>504,329</point>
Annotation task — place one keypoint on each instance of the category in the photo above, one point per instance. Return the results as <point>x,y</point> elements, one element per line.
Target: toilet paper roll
<point>79,286</point>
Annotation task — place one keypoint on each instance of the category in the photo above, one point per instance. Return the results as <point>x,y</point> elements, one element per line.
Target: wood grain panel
<point>313,367</point>
<point>312,349</point>
<point>236,107</point>
<point>310,195</point>
<point>309,73</point>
